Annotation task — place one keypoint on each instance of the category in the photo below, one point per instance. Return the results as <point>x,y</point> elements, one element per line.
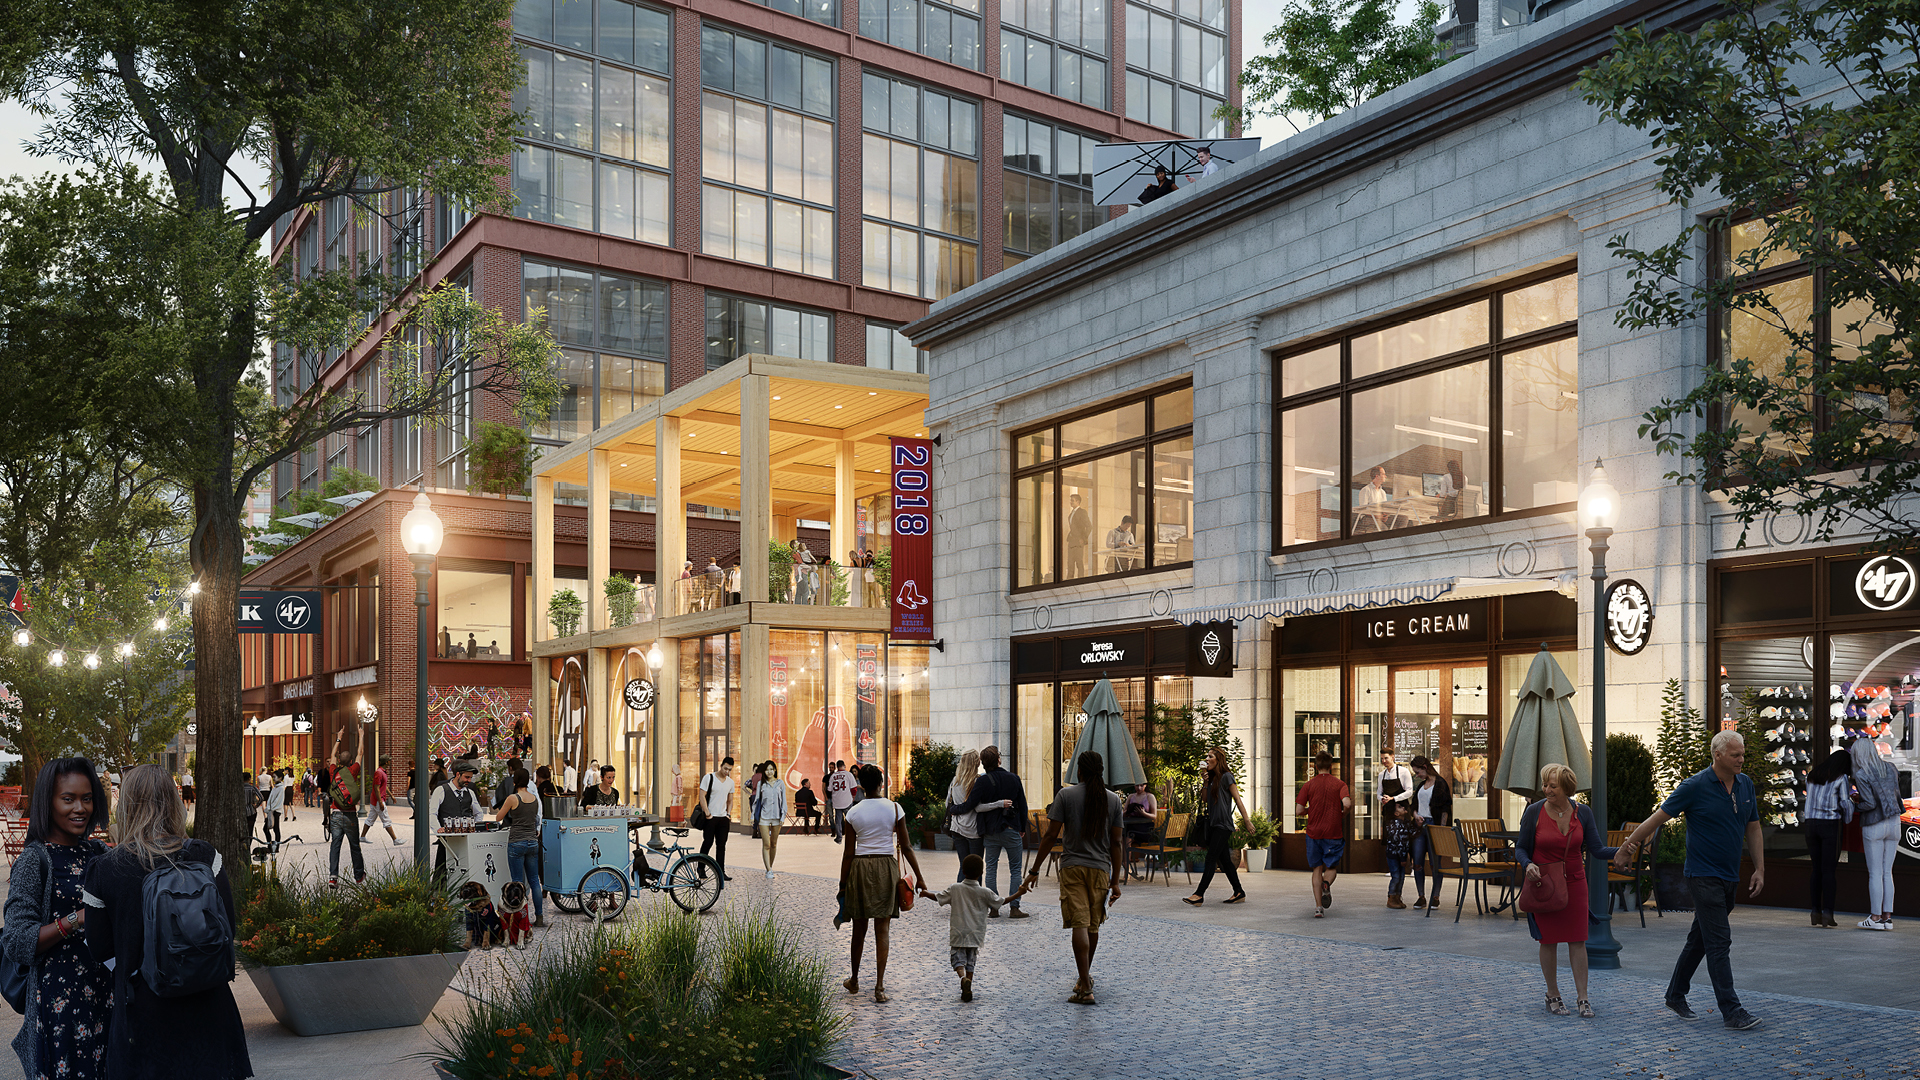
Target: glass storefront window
<point>1310,720</point>
<point>1542,424</point>
<point>1105,509</point>
<point>909,703</point>
<point>1370,729</point>
<point>1421,450</point>
<point>476,614</point>
<point>709,709</point>
<point>1033,723</point>
<point>1310,473</point>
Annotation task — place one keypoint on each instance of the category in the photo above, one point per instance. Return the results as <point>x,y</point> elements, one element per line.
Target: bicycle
<point>693,881</point>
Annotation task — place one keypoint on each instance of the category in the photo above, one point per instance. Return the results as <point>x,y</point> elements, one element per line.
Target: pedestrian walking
<point>1879,810</point>
<point>250,790</point>
<point>270,811</point>
<point>768,809</point>
<point>521,811</point>
<point>1827,808</point>
<point>1091,818</point>
<point>377,803</point>
<point>1325,799</point>
<point>870,876</point>
<point>191,1035</point>
<point>1722,816</point>
<point>64,1027</point>
<point>1220,797</point>
<point>713,795</point>
<point>288,784</point>
<point>1432,805</point>
<point>840,787</point>
<point>306,787</point>
<point>964,825</point>
<point>1556,835</point>
<point>969,902</point>
<point>1400,834</point>
<point>343,805</point>
<point>1000,802</point>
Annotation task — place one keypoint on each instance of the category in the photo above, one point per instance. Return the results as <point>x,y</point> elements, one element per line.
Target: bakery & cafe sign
<point>1459,622</point>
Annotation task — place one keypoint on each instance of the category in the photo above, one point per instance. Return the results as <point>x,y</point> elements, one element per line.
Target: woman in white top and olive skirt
<point>870,875</point>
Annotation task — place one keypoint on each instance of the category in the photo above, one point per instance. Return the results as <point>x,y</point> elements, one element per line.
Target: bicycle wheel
<point>603,893</point>
<point>694,882</point>
<point>569,903</point>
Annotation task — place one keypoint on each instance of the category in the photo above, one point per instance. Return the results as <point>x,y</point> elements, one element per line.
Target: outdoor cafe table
<point>1510,892</point>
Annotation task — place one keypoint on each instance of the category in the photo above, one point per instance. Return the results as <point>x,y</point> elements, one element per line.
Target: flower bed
<point>301,921</point>
<point>665,996</point>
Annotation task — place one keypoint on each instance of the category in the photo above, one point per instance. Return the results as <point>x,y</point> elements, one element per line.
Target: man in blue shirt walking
<point>1723,815</point>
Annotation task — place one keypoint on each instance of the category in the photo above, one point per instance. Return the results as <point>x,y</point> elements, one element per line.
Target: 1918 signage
<point>1423,624</point>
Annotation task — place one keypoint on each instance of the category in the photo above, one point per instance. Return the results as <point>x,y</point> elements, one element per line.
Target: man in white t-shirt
<point>715,790</point>
<point>571,777</point>
<point>840,793</point>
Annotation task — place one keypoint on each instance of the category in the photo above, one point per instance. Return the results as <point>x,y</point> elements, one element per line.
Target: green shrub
<point>665,995</point>
<point>1629,780</point>
<point>563,611</point>
<point>1682,744</point>
<point>779,572</point>
<point>1261,835</point>
<point>1176,751</point>
<point>620,600</point>
<point>929,775</point>
<point>395,912</point>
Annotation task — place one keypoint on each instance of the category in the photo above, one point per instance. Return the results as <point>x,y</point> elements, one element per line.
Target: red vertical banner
<point>777,710</point>
<point>912,580</point>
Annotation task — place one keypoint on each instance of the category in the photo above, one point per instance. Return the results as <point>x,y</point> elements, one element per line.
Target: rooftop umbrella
<point>1543,730</point>
<point>1106,732</point>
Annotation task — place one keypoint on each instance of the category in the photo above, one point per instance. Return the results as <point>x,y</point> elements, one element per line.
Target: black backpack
<point>189,937</point>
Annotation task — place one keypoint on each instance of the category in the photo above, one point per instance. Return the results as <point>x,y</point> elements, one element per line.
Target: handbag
<point>905,889</point>
<point>1547,893</point>
<point>698,819</point>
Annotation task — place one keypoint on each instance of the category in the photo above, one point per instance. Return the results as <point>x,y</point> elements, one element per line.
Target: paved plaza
<point>1256,990</point>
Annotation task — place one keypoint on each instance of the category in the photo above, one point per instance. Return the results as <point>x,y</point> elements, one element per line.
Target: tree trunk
<point>219,803</point>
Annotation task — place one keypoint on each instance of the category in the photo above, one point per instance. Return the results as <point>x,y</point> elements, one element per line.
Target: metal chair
<point>1450,860</point>
<point>1170,843</point>
<point>1617,882</point>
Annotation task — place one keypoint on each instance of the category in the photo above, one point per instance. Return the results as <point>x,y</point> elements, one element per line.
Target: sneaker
<point>1016,913</point>
<point>993,914</point>
<point>769,875</point>
<point>1884,924</point>
<point>1680,1009</point>
<point>1743,1021</point>
<point>1868,923</point>
<point>966,989</point>
<point>397,842</point>
<point>1319,914</point>
<point>1419,901</point>
<point>1326,898</point>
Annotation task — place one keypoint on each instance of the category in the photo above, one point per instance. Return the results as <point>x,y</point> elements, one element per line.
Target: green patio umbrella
<point>1107,732</point>
<point>1543,730</point>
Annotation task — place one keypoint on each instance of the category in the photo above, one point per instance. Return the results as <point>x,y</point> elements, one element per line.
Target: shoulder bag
<point>14,975</point>
<point>698,819</point>
<point>905,885</point>
<point>1547,893</point>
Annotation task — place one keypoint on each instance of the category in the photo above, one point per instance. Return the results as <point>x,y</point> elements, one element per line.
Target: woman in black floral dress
<point>65,1034</point>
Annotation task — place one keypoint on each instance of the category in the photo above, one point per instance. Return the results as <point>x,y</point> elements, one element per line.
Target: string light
<point>92,661</point>
<point>160,623</point>
<point>23,637</point>
<point>126,649</point>
<point>58,658</point>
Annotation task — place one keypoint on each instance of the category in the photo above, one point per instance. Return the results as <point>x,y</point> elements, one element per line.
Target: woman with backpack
<point>65,1004</point>
<point>191,1029</point>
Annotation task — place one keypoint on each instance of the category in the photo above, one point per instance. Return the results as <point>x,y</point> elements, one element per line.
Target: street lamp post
<point>655,658</point>
<point>1598,505</point>
<point>420,534</point>
<point>369,713</point>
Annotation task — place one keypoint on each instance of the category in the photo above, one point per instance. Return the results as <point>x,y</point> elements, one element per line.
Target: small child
<point>970,902</point>
<point>1400,833</point>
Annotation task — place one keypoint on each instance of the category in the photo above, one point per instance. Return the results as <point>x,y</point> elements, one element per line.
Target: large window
<point>598,119</point>
<point>887,347</point>
<point>613,336</point>
<point>1177,65</point>
<point>767,154</point>
<point>947,30</point>
<point>820,11</point>
<point>1787,312</point>
<point>1105,494</point>
<point>1059,46</point>
<point>920,189</point>
<point>737,326</point>
<point>475,610</point>
<point>1460,413</point>
<point>1047,186</point>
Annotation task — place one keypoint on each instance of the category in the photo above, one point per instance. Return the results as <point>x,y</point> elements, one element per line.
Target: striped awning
<point>1409,592</point>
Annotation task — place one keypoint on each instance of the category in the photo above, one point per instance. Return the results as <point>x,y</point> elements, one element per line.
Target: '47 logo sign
<point>1885,583</point>
<point>278,612</point>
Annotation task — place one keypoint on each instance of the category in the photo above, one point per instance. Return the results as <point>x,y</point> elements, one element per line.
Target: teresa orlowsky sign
<point>912,538</point>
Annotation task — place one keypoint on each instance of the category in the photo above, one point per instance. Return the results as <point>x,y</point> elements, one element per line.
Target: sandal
<point>852,984</point>
<point>879,995</point>
<point>1236,898</point>
<point>1196,900</point>
<point>1081,997</point>
<point>1556,1007</point>
<point>1585,1008</point>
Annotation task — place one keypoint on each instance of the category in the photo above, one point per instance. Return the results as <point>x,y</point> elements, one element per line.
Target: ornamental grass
<point>300,920</point>
<point>664,995</point>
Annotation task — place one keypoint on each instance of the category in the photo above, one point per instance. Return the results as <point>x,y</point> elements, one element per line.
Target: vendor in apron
<point>1396,783</point>
<point>451,801</point>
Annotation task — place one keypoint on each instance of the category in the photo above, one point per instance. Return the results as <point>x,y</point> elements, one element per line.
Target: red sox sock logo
<point>910,597</point>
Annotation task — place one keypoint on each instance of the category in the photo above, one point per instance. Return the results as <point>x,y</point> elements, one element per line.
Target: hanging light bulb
<point>126,649</point>
<point>193,587</point>
<point>58,658</point>
<point>92,660</point>
<point>23,637</point>
<point>160,623</point>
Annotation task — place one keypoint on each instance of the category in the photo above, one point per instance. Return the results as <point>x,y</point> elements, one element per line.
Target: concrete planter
<point>356,995</point>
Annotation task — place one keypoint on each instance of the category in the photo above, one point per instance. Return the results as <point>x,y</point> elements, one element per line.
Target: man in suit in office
<point>1079,537</point>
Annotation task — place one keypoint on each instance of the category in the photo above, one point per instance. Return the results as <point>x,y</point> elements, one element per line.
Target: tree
<point>1327,56</point>
<point>1817,424</point>
<point>1629,779</point>
<point>1681,744</point>
<point>367,102</point>
<point>314,501</point>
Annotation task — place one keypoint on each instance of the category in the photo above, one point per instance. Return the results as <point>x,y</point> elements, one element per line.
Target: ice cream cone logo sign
<point>1210,647</point>
<point>912,540</point>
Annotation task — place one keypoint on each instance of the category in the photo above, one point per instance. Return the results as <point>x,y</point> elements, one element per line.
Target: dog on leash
<point>484,929</point>
<point>516,924</point>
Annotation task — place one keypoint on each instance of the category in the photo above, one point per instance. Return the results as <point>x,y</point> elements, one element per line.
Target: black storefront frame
<point>1787,875</point>
<point>1499,642</point>
<point>1164,653</point>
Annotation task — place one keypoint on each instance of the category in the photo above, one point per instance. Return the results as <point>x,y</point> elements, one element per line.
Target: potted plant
<point>837,589</point>
<point>392,939</point>
<point>497,459</point>
<point>1256,836</point>
<point>779,572</point>
<point>620,600</point>
<point>563,611</point>
<point>924,799</point>
<point>1683,748</point>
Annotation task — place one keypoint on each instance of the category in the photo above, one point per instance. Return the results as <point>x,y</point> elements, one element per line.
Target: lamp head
<point>421,530</point>
<point>655,657</point>
<point>1599,502</point>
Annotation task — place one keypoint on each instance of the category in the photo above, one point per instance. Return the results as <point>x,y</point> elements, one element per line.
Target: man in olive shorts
<point>1091,817</point>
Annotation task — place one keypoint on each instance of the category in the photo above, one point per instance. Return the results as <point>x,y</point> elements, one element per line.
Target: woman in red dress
<point>1553,831</point>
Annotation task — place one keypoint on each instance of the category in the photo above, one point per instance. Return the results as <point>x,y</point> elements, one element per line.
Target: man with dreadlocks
<point>1092,818</point>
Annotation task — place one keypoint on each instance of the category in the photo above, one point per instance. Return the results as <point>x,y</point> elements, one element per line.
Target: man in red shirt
<point>1325,799</point>
<point>377,803</point>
